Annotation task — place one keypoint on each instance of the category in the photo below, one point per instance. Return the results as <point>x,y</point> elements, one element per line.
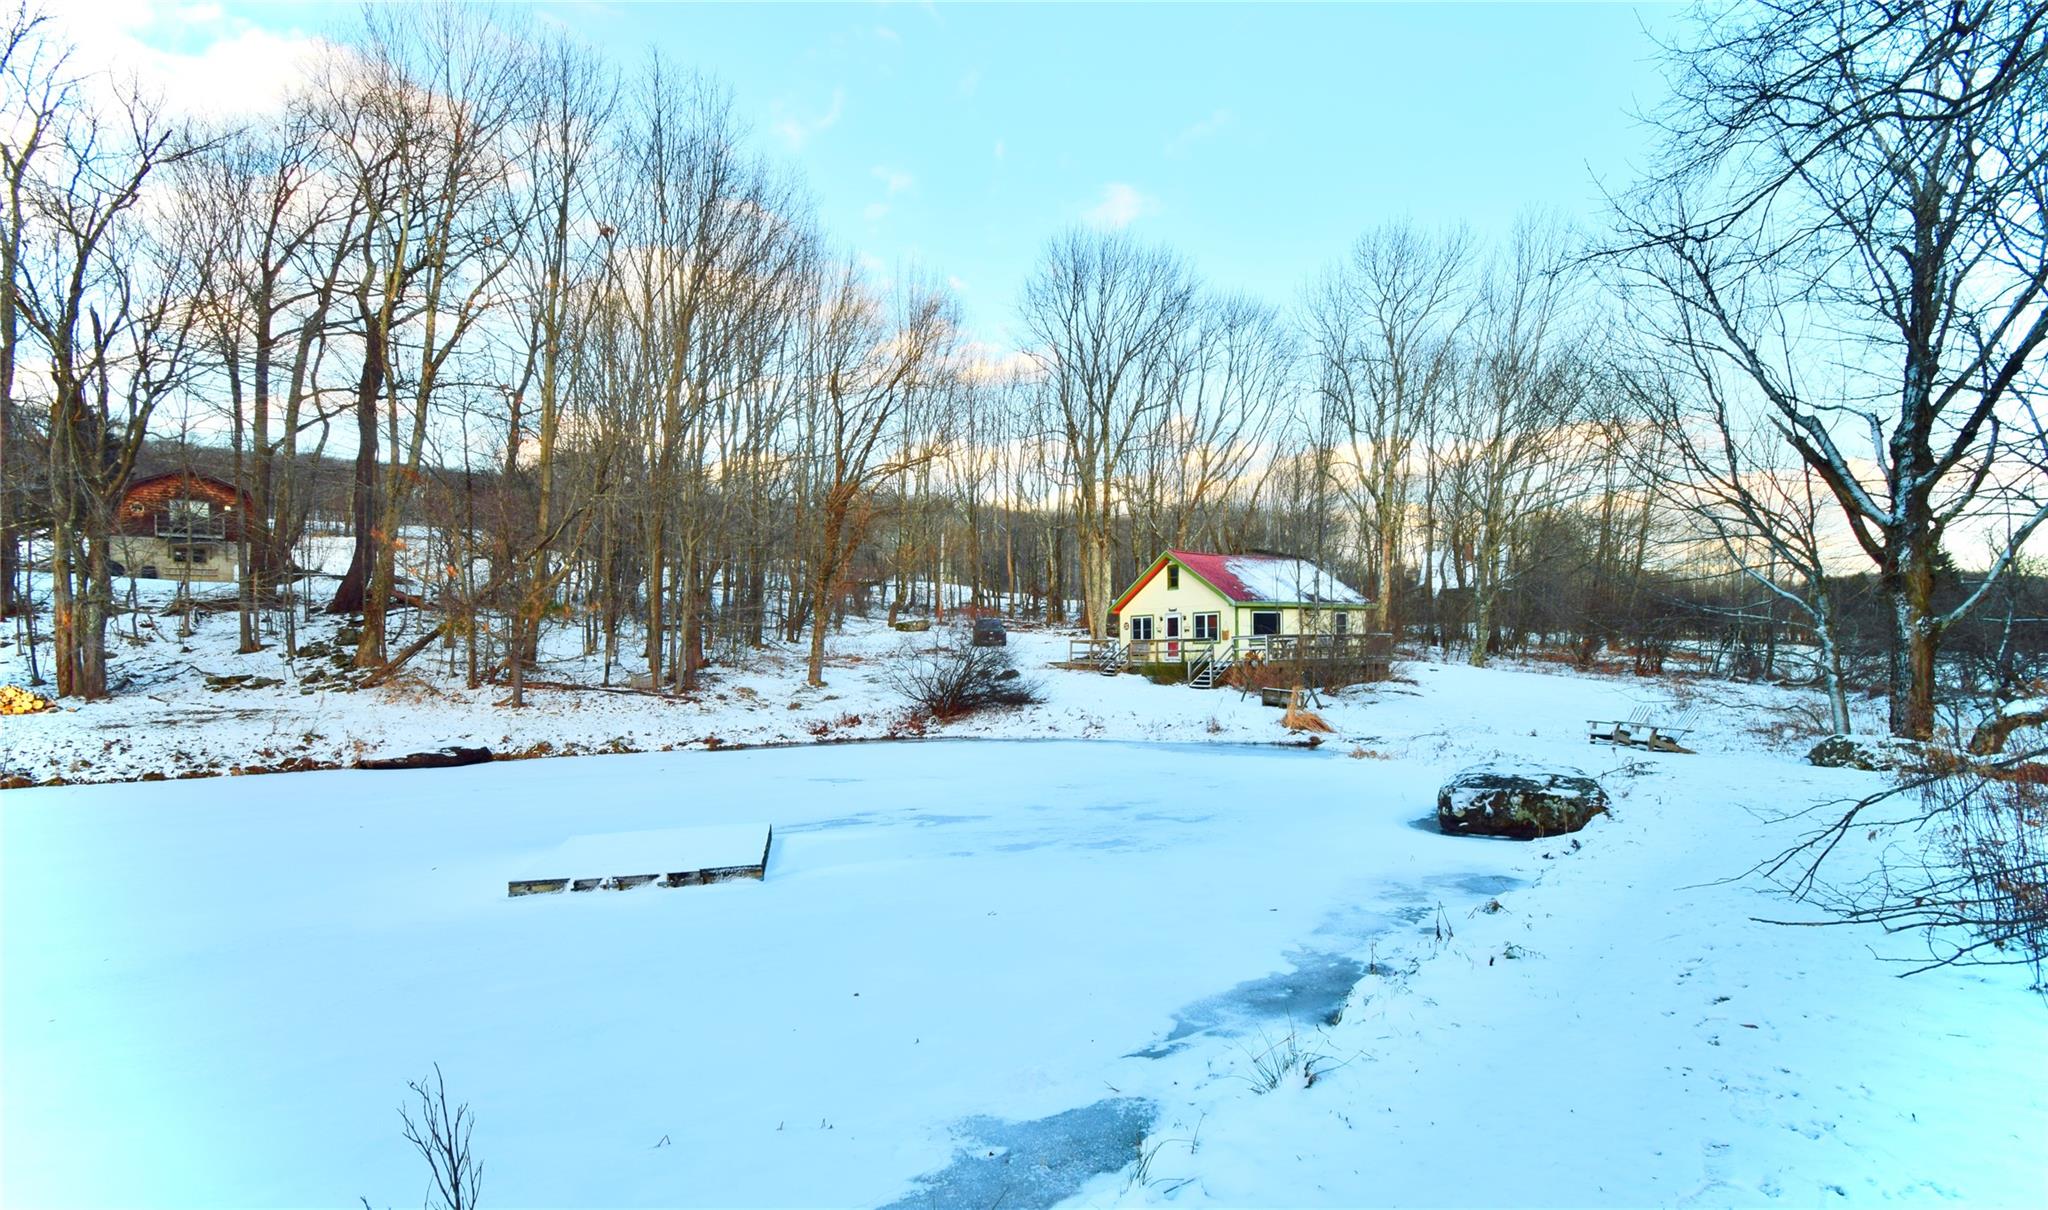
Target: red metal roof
<point>1211,567</point>
<point>1276,578</point>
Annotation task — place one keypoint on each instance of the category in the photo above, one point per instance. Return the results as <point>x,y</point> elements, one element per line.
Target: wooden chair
<point>1619,732</point>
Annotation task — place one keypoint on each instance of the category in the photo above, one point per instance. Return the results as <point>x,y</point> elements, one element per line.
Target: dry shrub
<point>1794,722</point>
<point>1994,833</point>
<point>1298,718</point>
<point>441,1135</point>
<point>1966,866</point>
<point>957,679</point>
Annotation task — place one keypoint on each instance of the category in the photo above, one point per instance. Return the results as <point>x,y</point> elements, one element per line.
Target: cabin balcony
<point>188,529</point>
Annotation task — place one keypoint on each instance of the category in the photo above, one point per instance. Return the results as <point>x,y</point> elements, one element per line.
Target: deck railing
<point>164,525</point>
<point>1272,648</point>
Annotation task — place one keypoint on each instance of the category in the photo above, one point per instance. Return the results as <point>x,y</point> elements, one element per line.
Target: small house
<point>179,526</point>
<point>1191,606</point>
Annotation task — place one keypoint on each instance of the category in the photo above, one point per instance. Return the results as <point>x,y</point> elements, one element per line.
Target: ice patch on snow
<point>1312,993</point>
<point>1035,1163</point>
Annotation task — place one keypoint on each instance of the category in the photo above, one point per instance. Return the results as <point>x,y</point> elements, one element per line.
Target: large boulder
<point>1871,753</point>
<point>1520,801</point>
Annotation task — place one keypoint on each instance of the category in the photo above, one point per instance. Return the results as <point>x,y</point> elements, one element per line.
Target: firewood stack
<point>16,700</point>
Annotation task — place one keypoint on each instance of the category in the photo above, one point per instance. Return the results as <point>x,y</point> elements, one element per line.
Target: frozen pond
<point>975,971</point>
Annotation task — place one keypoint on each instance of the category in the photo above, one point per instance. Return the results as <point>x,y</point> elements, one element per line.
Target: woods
<point>557,349</point>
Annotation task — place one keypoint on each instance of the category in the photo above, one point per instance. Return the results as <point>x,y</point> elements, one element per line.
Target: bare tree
<point>1383,326</point>
<point>1105,318</point>
<point>107,300</point>
<point>879,384</point>
<point>1848,216</point>
<point>1732,480</point>
<point>706,251</point>
<point>574,101</point>
<point>38,90</point>
<point>1225,393</point>
<point>272,234</point>
<point>420,122</point>
<point>1509,432</point>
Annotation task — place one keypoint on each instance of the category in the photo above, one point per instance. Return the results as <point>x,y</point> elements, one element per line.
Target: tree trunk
<point>1916,638</point>
<point>349,594</point>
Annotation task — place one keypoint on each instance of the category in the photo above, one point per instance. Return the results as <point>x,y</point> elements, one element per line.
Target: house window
<point>1343,622</point>
<point>1205,627</point>
<point>1141,629</point>
<point>1172,576</point>
<point>1265,621</point>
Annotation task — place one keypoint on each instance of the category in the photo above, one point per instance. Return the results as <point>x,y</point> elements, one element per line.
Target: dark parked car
<point>989,632</point>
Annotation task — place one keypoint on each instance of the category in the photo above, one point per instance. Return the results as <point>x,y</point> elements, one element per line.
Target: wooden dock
<point>679,857</point>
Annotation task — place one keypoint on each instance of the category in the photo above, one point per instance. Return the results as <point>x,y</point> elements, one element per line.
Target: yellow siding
<point>1156,601</point>
<point>1193,596</point>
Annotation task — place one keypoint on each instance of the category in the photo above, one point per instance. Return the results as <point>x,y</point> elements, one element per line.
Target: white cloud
<point>1216,122</point>
<point>225,67</point>
<point>985,362</point>
<point>1120,206</point>
<point>797,130</point>
<point>1002,150</point>
<point>874,211</point>
<point>970,82</point>
<point>895,180</point>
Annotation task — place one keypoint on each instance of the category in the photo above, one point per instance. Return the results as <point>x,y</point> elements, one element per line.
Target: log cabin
<point>179,526</point>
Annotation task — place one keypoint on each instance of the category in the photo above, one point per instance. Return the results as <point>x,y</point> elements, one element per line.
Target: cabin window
<point>1343,622</point>
<point>1205,627</point>
<point>1172,576</point>
<point>1141,629</point>
<point>1265,621</point>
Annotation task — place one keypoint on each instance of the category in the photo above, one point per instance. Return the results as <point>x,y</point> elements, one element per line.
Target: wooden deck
<point>1371,654</point>
<point>698,857</point>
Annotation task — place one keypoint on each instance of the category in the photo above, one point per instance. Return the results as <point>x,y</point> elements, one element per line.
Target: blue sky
<point>1256,140</point>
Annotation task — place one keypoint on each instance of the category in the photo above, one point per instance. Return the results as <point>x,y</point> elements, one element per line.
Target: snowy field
<point>1001,973</point>
<point>163,720</point>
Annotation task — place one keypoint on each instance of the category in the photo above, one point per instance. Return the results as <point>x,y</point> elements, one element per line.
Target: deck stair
<point>1111,658</point>
<point>1211,666</point>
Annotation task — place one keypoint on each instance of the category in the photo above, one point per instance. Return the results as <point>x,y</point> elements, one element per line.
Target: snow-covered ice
<point>1030,971</point>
